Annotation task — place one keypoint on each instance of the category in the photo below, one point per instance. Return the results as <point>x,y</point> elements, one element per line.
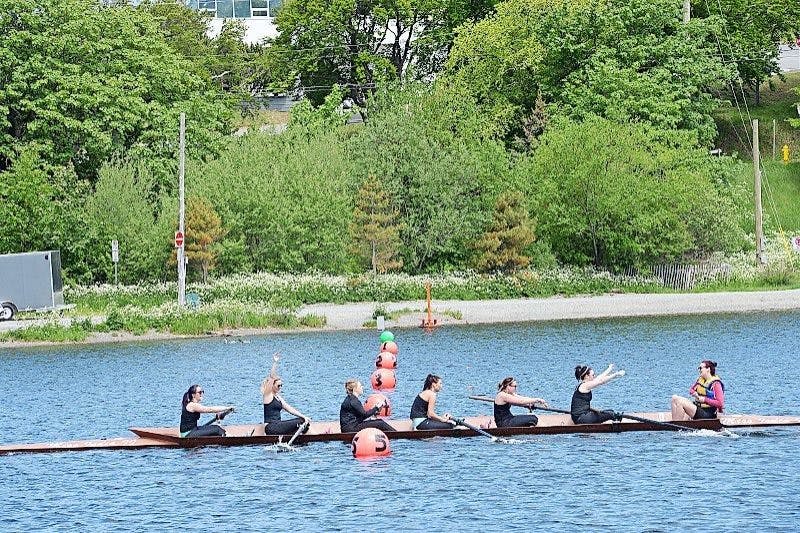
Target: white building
<point>257,15</point>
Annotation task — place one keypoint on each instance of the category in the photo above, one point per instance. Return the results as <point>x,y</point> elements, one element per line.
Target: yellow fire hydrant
<point>785,152</point>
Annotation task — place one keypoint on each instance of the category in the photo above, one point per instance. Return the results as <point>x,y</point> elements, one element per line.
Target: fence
<point>687,276</point>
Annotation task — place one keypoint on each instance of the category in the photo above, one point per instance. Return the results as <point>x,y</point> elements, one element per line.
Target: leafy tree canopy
<point>627,196</point>
<point>82,81</point>
<point>631,60</point>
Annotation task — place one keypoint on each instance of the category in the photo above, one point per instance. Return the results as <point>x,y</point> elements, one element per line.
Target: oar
<point>219,416</point>
<point>531,407</point>
<point>287,447</point>
<point>462,422</point>
<point>650,421</point>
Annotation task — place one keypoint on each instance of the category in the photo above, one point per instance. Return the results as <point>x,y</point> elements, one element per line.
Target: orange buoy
<point>386,360</point>
<point>378,399</point>
<point>370,442</point>
<point>389,346</point>
<point>383,378</point>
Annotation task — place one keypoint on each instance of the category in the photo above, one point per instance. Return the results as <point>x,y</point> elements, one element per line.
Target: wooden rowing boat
<point>250,434</point>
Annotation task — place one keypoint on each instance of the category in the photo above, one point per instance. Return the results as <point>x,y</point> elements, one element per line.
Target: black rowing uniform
<point>419,416</point>
<point>582,412</point>
<point>353,417</point>
<point>273,423</point>
<point>503,417</point>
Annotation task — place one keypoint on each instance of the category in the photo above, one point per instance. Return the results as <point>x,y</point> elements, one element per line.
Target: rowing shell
<point>251,434</point>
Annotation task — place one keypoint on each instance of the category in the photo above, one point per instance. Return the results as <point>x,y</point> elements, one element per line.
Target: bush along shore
<point>272,301</point>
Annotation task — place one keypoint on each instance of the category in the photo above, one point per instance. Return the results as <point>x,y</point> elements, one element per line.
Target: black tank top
<point>581,403</point>
<point>188,419</point>
<point>419,409</point>
<point>272,411</point>
<point>502,413</point>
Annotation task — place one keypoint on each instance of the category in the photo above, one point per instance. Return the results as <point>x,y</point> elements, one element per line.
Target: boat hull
<point>253,434</point>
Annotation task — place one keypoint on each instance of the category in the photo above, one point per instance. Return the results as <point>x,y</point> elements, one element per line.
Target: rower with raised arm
<point>506,397</point>
<point>352,416</point>
<point>192,406</point>
<point>274,404</point>
<point>708,396</point>
<point>581,408</point>
<point>423,413</point>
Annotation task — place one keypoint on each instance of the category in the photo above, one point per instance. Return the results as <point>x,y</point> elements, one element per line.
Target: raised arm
<point>604,377</point>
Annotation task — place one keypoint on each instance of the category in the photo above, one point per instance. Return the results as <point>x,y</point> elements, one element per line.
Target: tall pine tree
<point>502,246</point>
<point>374,229</point>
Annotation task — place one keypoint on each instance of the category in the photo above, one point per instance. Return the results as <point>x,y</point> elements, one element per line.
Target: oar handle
<point>462,422</point>
<point>651,421</point>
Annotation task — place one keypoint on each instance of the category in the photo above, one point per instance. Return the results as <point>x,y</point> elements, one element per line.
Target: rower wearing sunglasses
<point>274,404</point>
<point>708,396</point>
<point>191,407</point>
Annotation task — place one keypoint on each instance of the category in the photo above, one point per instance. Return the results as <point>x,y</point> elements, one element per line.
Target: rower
<point>581,409</point>
<point>708,396</point>
<point>274,404</point>
<point>352,416</point>
<point>505,398</point>
<point>191,407</point>
<point>423,414</point>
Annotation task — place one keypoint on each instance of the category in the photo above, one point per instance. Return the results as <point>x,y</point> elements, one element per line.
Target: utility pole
<point>757,194</point>
<point>181,245</point>
<point>687,11</point>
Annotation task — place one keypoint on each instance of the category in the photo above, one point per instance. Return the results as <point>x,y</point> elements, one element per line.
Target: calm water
<point>628,482</point>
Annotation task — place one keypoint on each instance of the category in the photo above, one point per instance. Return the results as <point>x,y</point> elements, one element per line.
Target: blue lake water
<point>658,481</point>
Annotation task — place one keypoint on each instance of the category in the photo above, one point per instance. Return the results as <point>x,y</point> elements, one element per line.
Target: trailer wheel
<point>7,311</point>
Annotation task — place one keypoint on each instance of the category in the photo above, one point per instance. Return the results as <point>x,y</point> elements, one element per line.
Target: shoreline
<point>344,317</point>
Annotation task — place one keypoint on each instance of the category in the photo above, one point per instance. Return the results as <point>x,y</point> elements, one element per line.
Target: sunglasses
<point>701,368</point>
<point>199,391</point>
<point>279,385</point>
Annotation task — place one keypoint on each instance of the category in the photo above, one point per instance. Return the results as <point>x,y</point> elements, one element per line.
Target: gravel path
<point>410,314</point>
<point>353,316</point>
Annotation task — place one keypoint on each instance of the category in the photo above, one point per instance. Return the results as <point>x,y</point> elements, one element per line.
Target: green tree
<point>629,61</point>
<point>120,207</point>
<point>502,247</point>
<point>203,231</point>
<point>374,228</point>
<point>748,37</point>
<point>82,81</point>
<point>360,44</point>
<point>440,165</point>
<point>617,195</point>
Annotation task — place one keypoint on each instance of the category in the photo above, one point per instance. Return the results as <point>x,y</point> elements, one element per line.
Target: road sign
<point>115,251</point>
<point>178,239</point>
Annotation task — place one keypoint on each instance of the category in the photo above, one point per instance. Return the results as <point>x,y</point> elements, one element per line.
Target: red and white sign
<point>796,244</point>
<point>178,239</point>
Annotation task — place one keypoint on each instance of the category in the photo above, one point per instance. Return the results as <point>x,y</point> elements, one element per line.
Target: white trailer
<point>30,282</point>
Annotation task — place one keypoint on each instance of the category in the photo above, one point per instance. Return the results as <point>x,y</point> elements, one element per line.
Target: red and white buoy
<point>383,379</point>
<point>370,442</point>
<point>378,399</point>
<point>386,360</point>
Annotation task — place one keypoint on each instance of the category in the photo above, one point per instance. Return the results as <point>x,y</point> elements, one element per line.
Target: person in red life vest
<point>708,396</point>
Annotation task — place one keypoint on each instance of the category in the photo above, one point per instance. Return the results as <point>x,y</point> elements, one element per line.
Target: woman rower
<point>505,398</point>
<point>581,409</point>
<point>274,404</point>
<point>191,407</point>
<point>353,417</point>
<point>423,414</point>
<point>708,396</point>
